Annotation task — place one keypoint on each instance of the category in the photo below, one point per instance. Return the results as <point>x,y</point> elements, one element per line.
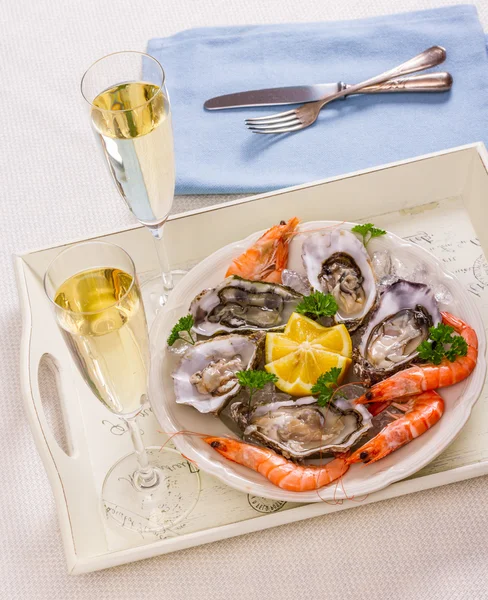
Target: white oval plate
<point>359,480</point>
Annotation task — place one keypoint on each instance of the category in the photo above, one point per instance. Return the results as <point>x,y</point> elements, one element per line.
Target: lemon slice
<point>300,329</point>
<point>336,339</point>
<point>298,371</point>
<point>304,351</point>
<point>279,345</point>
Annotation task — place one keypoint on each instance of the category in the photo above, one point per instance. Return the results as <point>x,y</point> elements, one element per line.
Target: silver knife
<point>429,82</point>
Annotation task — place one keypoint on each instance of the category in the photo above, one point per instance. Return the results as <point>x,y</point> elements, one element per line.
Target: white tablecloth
<point>54,188</point>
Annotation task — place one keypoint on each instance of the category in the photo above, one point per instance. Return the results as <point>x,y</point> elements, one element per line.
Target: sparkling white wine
<point>105,327</point>
<point>132,121</point>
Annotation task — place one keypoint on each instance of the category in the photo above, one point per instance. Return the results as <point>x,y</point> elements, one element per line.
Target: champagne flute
<point>98,307</point>
<point>131,117</point>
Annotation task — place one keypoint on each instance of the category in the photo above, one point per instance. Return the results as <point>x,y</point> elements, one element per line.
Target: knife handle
<point>429,82</point>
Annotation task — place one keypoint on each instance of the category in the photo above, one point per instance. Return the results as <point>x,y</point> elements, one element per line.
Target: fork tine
<point>281,114</point>
<point>283,130</point>
<point>283,120</point>
<point>275,126</point>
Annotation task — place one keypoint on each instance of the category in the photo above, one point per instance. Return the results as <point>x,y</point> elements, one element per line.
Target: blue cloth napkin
<point>215,153</point>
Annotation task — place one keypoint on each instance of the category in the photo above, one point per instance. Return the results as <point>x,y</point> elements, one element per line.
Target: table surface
<point>55,188</point>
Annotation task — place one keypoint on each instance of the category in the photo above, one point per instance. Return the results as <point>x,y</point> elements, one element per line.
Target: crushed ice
<point>179,347</point>
<point>269,394</point>
<point>382,263</point>
<point>420,274</point>
<point>389,268</point>
<point>296,281</point>
<point>442,294</point>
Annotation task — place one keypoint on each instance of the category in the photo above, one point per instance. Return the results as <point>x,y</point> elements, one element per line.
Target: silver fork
<point>306,115</point>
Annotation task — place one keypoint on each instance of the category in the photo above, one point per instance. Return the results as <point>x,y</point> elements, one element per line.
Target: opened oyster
<point>400,323</point>
<point>206,376</point>
<point>237,304</point>
<point>301,428</point>
<point>337,263</point>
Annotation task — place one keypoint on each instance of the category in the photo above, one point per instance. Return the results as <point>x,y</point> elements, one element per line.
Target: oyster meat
<point>300,429</point>
<point>399,324</point>
<point>206,375</point>
<point>337,263</point>
<point>218,377</point>
<point>237,304</point>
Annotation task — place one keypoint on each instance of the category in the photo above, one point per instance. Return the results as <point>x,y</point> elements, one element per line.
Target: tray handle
<point>71,477</point>
<point>37,355</point>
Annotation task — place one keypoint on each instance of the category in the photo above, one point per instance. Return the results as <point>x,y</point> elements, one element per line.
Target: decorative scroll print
<point>463,257</point>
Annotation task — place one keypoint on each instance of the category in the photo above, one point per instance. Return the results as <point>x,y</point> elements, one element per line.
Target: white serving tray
<point>438,201</point>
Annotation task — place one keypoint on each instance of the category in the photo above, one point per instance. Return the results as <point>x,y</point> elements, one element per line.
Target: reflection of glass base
<point>155,295</point>
<point>155,510</point>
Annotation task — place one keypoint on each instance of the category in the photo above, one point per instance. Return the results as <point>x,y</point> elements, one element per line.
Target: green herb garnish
<point>255,380</point>
<point>431,352</point>
<point>368,231</point>
<point>442,343</point>
<point>326,385</point>
<point>184,324</point>
<point>459,347</point>
<point>318,304</point>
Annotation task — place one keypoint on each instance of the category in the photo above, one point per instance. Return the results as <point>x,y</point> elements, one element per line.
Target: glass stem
<point>164,265</point>
<point>146,475</point>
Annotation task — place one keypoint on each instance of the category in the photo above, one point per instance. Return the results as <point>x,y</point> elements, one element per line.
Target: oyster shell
<point>399,324</point>
<point>237,304</point>
<point>205,377</point>
<point>301,428</point>
<point>337,263</point>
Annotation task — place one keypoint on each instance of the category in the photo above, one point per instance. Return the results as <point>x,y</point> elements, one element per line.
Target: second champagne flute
<point>97,303</point>
<point>131,117</point>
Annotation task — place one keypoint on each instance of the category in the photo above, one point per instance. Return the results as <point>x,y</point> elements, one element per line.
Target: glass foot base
<point>157,509</point>
<point>154,294</point>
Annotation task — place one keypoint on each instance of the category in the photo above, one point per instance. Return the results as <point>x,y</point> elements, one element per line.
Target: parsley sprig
<point>318,305</point>
<point>255,380</point>
<point>326,385</point>
<point>368,231</point>
<point>442,343</point>
<point>184,324</point>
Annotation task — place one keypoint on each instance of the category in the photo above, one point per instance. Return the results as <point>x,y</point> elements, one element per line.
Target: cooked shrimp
<point>424,410</point>
<point>266,259</point>
<point>421,378</point>
<point>280,471</point>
